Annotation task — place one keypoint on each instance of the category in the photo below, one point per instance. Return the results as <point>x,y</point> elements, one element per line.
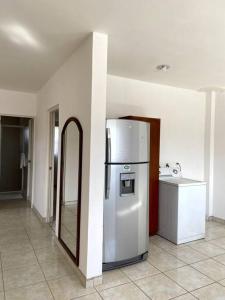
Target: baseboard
<point>215,219</point>
<point>87,283</point>
<point>36,212</point>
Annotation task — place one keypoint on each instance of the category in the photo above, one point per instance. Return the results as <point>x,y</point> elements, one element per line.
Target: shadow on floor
<point>12,200</point>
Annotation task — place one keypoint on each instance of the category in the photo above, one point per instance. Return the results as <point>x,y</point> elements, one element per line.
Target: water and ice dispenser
<point>127,184</point>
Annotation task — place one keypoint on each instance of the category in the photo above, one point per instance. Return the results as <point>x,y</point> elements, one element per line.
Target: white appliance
<point>182,205</point>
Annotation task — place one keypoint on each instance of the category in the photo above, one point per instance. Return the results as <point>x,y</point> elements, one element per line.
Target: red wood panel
<point>153,170</point>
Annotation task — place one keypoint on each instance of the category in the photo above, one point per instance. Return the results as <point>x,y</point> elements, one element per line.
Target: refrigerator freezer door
<point>127,141</point>
<point>126,213</point>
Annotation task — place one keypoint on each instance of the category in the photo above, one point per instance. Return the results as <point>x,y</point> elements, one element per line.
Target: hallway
<point>32,266</point>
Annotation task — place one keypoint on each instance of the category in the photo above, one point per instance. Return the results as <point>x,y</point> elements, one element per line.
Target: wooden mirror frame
<point>77,122</point>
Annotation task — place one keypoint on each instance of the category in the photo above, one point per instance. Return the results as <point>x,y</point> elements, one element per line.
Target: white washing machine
<point>182,206</point>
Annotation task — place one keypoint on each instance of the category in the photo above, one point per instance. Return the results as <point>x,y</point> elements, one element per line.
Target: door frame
<point>30,160</point>
<point>50,165</point>
<point>31,155</point>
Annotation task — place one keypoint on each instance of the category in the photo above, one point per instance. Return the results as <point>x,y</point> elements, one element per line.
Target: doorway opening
<point>15,161</point>
<point>53,166</point>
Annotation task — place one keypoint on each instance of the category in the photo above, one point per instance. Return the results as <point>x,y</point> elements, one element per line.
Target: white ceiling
<point>37,36</point>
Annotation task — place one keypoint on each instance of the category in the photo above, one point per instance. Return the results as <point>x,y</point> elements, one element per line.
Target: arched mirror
<point>70,187</point>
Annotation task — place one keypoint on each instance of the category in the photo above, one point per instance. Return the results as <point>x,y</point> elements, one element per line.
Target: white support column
<point>209,148</point>
<point>91,262</point>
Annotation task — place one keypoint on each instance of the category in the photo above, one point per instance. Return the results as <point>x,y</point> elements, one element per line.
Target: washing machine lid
<point>180,181</point>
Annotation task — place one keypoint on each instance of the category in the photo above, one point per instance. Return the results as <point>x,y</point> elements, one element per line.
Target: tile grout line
<point>3,284</point>
<point>25,231</point>
<point>39,265</point>
<point>203,287</point>
<point>98,293</point>
<point>207,257</point>
<point>190,265</point>
<point>172,279</point>
<point>111,287</point>
<point>21,223</point>
<point>138,286</point>
<point>163,272</point>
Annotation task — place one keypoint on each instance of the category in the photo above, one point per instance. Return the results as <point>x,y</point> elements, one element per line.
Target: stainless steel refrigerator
<point>126,212</point>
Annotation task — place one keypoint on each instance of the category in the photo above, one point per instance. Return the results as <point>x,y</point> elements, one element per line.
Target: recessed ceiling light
<point>20,35</point>
<point>163,68</point>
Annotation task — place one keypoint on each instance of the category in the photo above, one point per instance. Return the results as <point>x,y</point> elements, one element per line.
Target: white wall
<point>182,114</point>
<point>15,103</point>
<point>219,158</point>
<point>79,88</point>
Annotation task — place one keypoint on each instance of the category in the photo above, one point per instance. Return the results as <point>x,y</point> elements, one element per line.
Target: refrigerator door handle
<point>108,144</point>
<point>108,179</point>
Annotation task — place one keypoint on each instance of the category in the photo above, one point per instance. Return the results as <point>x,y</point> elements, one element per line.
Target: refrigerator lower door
<point>126,214</point>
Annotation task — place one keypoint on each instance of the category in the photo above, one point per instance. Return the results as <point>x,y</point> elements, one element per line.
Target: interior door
<point>53,165</point>
<point>10,173</point>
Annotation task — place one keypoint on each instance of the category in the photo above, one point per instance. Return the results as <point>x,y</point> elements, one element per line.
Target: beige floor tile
<point>38,291</point>
<point>1,282</point>
<point>165,261</point>
<point>195,242</point>
<point>215,232</point>
<point>18,259</point>
<point>111,279</point>
<point>94,296</point>
<point>43,242</point>
<point>24,276</point>
<point>188,255</point>
<point>12,231</point>
<point>218,242</point>
<point>160,287</point>
<point>185,297</point>
<point>211,292</point>
<point>189,278</point>
<point>208,249</point>
<point>9,222</point>
<point>220,258</point>
<point>140,270</point>
<point>211,224</point>
<point>211,268</point>
<point>56,269</point>
<point>49,254</point>
<point>40,233</point>
<point>2,296</point>
<point>23,246</point>
<point>163,243</point>
<point>222,282</point>
<point>32,222</point>
<point>68,287</point>
<point>124,292</point>
<point>153,249</point>
<point>13,238</point>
